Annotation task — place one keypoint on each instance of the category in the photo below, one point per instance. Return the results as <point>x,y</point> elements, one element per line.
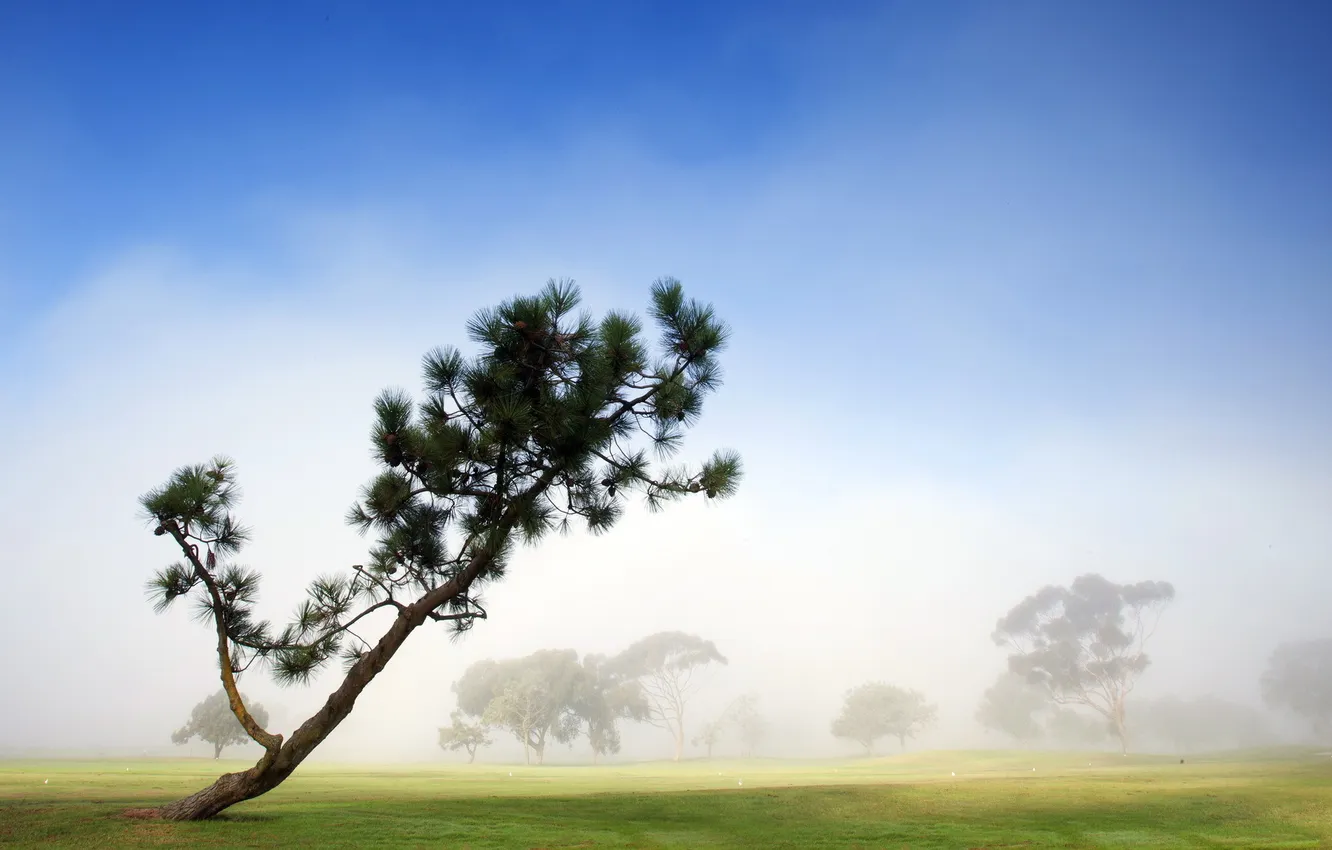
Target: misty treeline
<point>553,695</point>
<point>1077,653</point>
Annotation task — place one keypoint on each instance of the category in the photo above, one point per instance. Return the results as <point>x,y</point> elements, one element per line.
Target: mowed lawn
<point>995,800</point>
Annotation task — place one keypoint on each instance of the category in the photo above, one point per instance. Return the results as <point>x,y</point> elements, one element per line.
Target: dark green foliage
<point>212,721</point>
<point>535,430</point>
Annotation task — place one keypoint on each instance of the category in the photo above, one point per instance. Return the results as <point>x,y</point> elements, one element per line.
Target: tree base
<point>227,791</point>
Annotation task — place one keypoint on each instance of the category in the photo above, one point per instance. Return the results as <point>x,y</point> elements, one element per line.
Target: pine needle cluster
<point>554,422</point>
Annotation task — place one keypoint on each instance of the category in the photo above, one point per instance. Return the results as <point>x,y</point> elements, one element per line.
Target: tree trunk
<point>277,764</point>
<point>1121,728</point>
<point>217,751</point>
<point>227,791</point>
<point>901,740</point>
<point>471,756</point>
<point>678,732</point>
<point>281,758</point>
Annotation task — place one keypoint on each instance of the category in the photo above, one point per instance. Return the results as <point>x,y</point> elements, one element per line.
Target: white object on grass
<point>45,781</point>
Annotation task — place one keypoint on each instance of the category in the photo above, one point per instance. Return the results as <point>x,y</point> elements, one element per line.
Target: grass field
<point>995,800</point>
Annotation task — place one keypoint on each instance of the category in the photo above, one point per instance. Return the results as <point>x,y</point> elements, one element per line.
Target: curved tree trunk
<point>279,763</point>
<point>281,758</point>
<point>217,751</point>
<point>276,766</point>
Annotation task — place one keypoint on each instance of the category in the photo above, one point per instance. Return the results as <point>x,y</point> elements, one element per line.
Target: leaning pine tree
<point>542,426</point>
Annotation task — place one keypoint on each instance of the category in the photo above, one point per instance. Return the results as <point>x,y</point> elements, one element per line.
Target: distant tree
<point>1015,707</point>
<point>602,699</point>
<point>532,697</point>
<point>1299,679</point>
<point>461,735</point>
<point>749,725</point>
<point>1072,729</point>
<point>1193,725</point>
<point>665,665</point>
<point>1083,644</point>
<point>539,428</point>
<point>710,734</point>
<point>213,722</point>
<point>876,710</point>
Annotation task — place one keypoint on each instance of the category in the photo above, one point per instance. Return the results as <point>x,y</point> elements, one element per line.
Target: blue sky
<point>1018,289</point>
<point>1176,151</point>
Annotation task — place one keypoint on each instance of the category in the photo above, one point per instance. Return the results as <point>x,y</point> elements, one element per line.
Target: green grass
<point>1273,799</point>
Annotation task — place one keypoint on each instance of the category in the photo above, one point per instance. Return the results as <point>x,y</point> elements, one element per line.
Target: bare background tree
<point>750,726</point>
<point>461,735</point>
<point>709,735</point>
<point>665,665</point>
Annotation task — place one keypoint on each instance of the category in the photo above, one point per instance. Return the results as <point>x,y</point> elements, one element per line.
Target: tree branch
<point>271,743</point>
